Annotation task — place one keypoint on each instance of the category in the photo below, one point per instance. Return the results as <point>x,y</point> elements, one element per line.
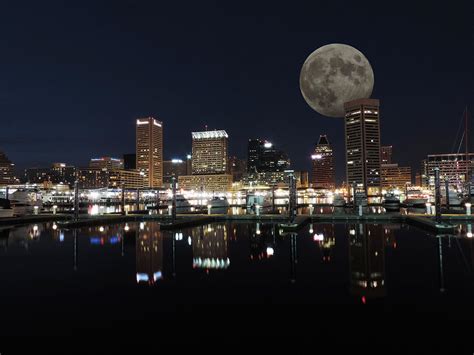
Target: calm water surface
<point>60,281</point>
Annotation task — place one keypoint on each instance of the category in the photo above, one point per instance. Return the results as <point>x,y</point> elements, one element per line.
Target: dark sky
<point>75,75</point>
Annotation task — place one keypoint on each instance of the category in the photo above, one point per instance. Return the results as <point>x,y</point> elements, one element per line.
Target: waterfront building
<point>94,178</point>
<point>106,163</point>
<point>209,163</point>
<point>457,168</point>
<point>362,138</point>
<point>394,176</point>
<point>210,152</point>
<point>237,168</point>
<point>173,168</point>
<point>322,173</point>
<point>129,161</point>
<point>149,150</point>
<point>7,170</point>
<point>386,154</point>
<point>207,183</point>
<point>57,173</point>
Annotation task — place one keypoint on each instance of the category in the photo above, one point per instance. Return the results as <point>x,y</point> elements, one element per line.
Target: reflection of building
<point>394,176</point>
<point>324,234</point>
<point>454,167</point>
<point>7,174</point>
<point>366,255</point>
<point>322,173</point>
<point>210,247</point>
<point>58,173</point>
<point>106,163</point>
<point>149,145</point>
<point>149,249</point>
<point>363,144</point>
<point>262,240</point>
<point>94,178</point>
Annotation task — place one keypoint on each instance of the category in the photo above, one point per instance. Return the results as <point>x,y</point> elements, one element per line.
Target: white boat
<point>218,204</point>
<point>338,200</point>
<point>391,202</point>
<point>415,198</point>
<point>264,202</point>
<point>23,202</point>
<point>5,208</point>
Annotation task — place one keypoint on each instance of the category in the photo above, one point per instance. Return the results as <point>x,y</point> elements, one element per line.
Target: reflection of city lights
<point>126,228</point>
<point>190,241</point>
<point>142,226</point>
<point>352,232</point>
<point>469,234</point>
<point>270,251</point>
<point>318,237</point>
<point>61,236</point>
<point>55,226</point>
<point>35,228</point>
<point>101,229</point>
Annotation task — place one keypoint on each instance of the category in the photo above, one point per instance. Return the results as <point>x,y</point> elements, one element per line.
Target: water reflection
<point>149,253</point>
<point>209,245</point>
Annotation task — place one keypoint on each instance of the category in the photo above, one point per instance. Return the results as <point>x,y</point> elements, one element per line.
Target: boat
<point>360,198</point>
<point>5,208</point>
<point>218,204</point>
<point>338,200</point>
<point>264,202</point>
<point>415,198</point>
<point>391,202</point>
<point>24,202</point>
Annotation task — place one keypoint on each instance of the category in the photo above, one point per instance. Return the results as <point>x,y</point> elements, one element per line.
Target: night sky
<point>75,77</point>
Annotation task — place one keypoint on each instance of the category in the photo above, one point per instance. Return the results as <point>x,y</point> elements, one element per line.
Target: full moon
<point>334,74</point>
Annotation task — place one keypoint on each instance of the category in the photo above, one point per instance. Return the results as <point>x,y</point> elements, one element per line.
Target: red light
<point>363,299</point>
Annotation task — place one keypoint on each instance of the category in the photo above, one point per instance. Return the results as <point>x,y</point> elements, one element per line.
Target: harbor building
<point>149,150</point>
<point>457,168</point>
<point>362,138</point>
<point>95,178</point>
<point>106,163</point>
<point>322,172</point>
<point>209,162</point>
<point>57,173</point>
<point>394,176</point>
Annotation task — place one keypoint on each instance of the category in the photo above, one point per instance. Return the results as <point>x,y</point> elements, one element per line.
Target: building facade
<point>457,168</point>
<point>394,176</point>
<point>7,170</point>
<point>322,172</point>
<point>362,137</point>
<point>95,178</point>
<point>106,163</point>
<point>386,154</point>
<point>149,150</point>
<point>173,168</point>
<point>57,173</point>
<point>217,183</point>
<point>210,152</point>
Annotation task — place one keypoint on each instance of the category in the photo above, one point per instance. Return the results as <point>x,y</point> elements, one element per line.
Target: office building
<point>57,173</point>
<point>457,168</point>
<point>210,152</point>
<point>106,163</point>
<point>149,150</point>
<point>173,168</point>
<point>322,173</point>
<point>394,176</point>
<point>7,170</point>
<point>386,154</point>
<point>129,161</point>
<point>94,178</point>
<point>214,183</point>
<point>362,137</point>
<point>237,168</point>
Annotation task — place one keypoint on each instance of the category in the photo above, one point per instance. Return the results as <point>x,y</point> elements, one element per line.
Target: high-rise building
<point>262,156</point>
<point>130,161</point>
<point>173,168</point>
<point>149,145</point>
<point>253,154</point>
<point>322,174</point>
<point>210,152</point>
<point>394,176</point>
<point>94,178</point>
<point>237,168</point>
<point>386,154</point>
<point>7,173</point>
<point>362,131</point>
<point>57,173</point>
<point>106,163</point>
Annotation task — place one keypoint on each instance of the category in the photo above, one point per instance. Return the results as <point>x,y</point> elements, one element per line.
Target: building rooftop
<point>210,134</point>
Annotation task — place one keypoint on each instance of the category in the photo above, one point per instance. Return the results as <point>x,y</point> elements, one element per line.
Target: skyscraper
<point>106,163</point>
<point>362,136</point>
<point>149,146</point>
<point>322,176</point>
<point>209,152</point>
<point>7,174</point>
<point>386,154</point>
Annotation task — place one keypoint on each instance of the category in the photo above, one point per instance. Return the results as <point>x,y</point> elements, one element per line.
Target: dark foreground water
<point>133,281</point>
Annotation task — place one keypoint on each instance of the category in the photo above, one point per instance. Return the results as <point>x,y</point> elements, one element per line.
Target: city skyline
<point>84,79</point>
